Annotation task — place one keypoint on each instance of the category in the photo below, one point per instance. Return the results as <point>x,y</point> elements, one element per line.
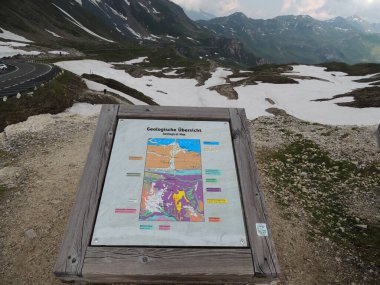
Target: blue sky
<point>320,9</point>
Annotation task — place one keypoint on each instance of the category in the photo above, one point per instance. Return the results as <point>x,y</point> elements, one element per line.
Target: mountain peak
<point>239,14</point>
<point>356,18</point>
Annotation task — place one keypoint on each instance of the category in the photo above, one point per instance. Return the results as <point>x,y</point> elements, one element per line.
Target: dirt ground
<point>41,162</point>
<point>34,214</point>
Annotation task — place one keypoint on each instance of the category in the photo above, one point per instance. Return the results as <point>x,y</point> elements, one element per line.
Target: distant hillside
<point>112,24</point>
<point>302,38</point>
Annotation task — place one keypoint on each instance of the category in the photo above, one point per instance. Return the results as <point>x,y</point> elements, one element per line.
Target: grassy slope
<point>322,192</point>
<point>54,97</point>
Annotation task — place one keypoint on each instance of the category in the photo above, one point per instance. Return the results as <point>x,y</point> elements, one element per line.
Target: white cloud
<point>229,6</point>
<point>189,4</point>
<point>314,8</point>
<point>287,5</point>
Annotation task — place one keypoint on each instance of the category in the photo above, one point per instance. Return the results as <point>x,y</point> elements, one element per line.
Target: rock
<point>30,234</point>
<point>9,176</point>
<point>364,227</point>
<point>32,124</point>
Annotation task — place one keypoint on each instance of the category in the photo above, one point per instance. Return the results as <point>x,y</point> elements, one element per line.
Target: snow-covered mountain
<point>122,24</point>
<point>301,38</point>
<point>88,24</point>
<point>112,20</point>
<point>363,25</point>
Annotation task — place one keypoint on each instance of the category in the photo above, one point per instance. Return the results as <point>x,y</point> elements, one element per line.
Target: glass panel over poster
<point>171,183</point>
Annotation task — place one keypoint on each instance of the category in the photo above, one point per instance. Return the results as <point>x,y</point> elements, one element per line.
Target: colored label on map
<point>215,172</point>
<point>136,158</point>
<point>211,143</point>
<point>211,149</point>
<point>214,190</point>
<point>173,185</point>
<point>164,228</point>
<point>146,227</point>
<point>125,211</point>
<point>217,201</point>
<point>134,174</point>
<point>214,219</point>
<point>211,180</point>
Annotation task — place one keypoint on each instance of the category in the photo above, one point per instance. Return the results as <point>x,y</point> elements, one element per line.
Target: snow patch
<point>134,61</point>
<point>145,7</point>
<point>117,13</point>
<point>218,77</point>
<point>13,44</point>
<point>133,32</point>
<point>75,22</point>
<point>53,34</point>
<point>84,109</point>
<point>8,51</point>
<point>59,52</point>
<point>236,79</point>
<point>295,99</point>
<point>7,35</point>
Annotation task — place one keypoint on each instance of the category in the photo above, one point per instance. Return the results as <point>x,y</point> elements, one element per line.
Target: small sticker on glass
<point>262,230</point>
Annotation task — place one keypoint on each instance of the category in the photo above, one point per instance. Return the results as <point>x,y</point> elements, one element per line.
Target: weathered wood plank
<point>180,113</point>
<point>264,255</point>
<point>122,264</point>
<point>78,232</point>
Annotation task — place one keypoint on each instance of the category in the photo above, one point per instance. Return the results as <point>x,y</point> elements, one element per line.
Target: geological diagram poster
<point>171,183</point>
<point>173,187</point>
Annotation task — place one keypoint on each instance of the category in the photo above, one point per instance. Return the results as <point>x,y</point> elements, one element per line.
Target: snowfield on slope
<point>4,34</point>
<point>6,51</point>
<point>295,99</point>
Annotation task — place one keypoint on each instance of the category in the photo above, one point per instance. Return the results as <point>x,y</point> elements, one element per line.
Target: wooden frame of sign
<point>80,262</point>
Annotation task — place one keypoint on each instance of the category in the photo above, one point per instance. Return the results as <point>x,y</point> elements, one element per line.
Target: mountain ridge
<point>301,38</point>
<point>238,39</point>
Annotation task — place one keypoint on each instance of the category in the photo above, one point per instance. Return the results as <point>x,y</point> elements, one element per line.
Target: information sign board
<point>169,195</point>
<point>171,183</point>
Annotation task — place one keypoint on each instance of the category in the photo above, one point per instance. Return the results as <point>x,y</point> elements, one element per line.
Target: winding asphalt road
<point>23,76</point>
